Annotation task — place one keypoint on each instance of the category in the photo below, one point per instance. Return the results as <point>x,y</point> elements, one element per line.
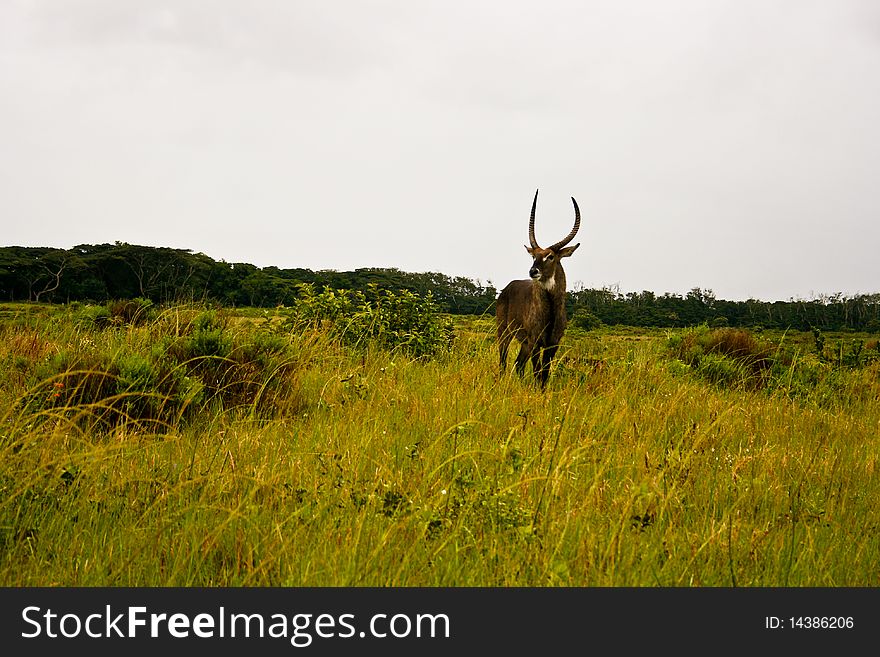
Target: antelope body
<point>533,310</point>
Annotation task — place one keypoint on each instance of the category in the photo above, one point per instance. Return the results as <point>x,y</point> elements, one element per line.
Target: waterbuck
<point>533,311</point>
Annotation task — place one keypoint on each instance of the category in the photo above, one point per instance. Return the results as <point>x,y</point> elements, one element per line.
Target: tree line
<point>836,312</point>
<point>103,272</point>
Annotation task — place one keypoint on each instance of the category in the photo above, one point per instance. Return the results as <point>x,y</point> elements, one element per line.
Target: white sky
<point>727,145</point>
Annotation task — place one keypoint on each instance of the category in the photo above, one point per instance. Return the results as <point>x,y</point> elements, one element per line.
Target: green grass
<point>374,468</point>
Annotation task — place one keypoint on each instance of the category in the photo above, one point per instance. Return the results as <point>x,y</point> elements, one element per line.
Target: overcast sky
<point>726,145</point>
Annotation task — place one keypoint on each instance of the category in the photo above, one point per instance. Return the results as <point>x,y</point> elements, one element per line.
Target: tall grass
<point>372,466</point>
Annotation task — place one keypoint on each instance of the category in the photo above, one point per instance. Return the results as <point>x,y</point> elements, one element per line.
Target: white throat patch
<point>549,284</point>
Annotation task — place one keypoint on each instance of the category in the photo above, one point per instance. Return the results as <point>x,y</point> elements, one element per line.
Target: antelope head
<point>546,263</point>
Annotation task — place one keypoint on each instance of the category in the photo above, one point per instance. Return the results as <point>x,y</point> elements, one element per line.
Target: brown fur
<point>533,311</point>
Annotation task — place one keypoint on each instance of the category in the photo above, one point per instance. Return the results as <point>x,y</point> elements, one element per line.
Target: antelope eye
<point>550,258</point>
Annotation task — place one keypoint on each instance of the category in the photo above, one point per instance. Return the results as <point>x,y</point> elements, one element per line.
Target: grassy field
<point>211,447</point>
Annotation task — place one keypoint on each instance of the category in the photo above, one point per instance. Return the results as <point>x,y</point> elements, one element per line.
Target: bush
<point>392,320</point>
<point>585,320</point>
<point>94,316</point>
<point>722,370</point>
<point>725,356</point>
<point>126,312</point>
<point>135,373</point>
<point>853,355</point>
<point>737,344</point>
<point>736,358</point>
<point>157,375</point>
<point>130,311</point>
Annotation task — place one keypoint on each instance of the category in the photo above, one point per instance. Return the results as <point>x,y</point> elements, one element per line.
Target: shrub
<point>211,342</point>
<point>856,354</point>
<point>585,320</point>
<point>94,316</point>
<point>736,358</point>
<point>725,356</point>
<point>392,320</point>
<point>130,311</point>
<point>155,375</point>
<point>135,373</point>
<point>722,370</point>
<point>738,344</point>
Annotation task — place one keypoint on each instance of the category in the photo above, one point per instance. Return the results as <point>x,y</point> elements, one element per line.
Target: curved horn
<point>532,239</point>
<point>577,224</point>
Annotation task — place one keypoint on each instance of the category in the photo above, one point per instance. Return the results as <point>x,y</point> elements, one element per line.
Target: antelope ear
<point>567,251</point>
<point>530,250</point>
